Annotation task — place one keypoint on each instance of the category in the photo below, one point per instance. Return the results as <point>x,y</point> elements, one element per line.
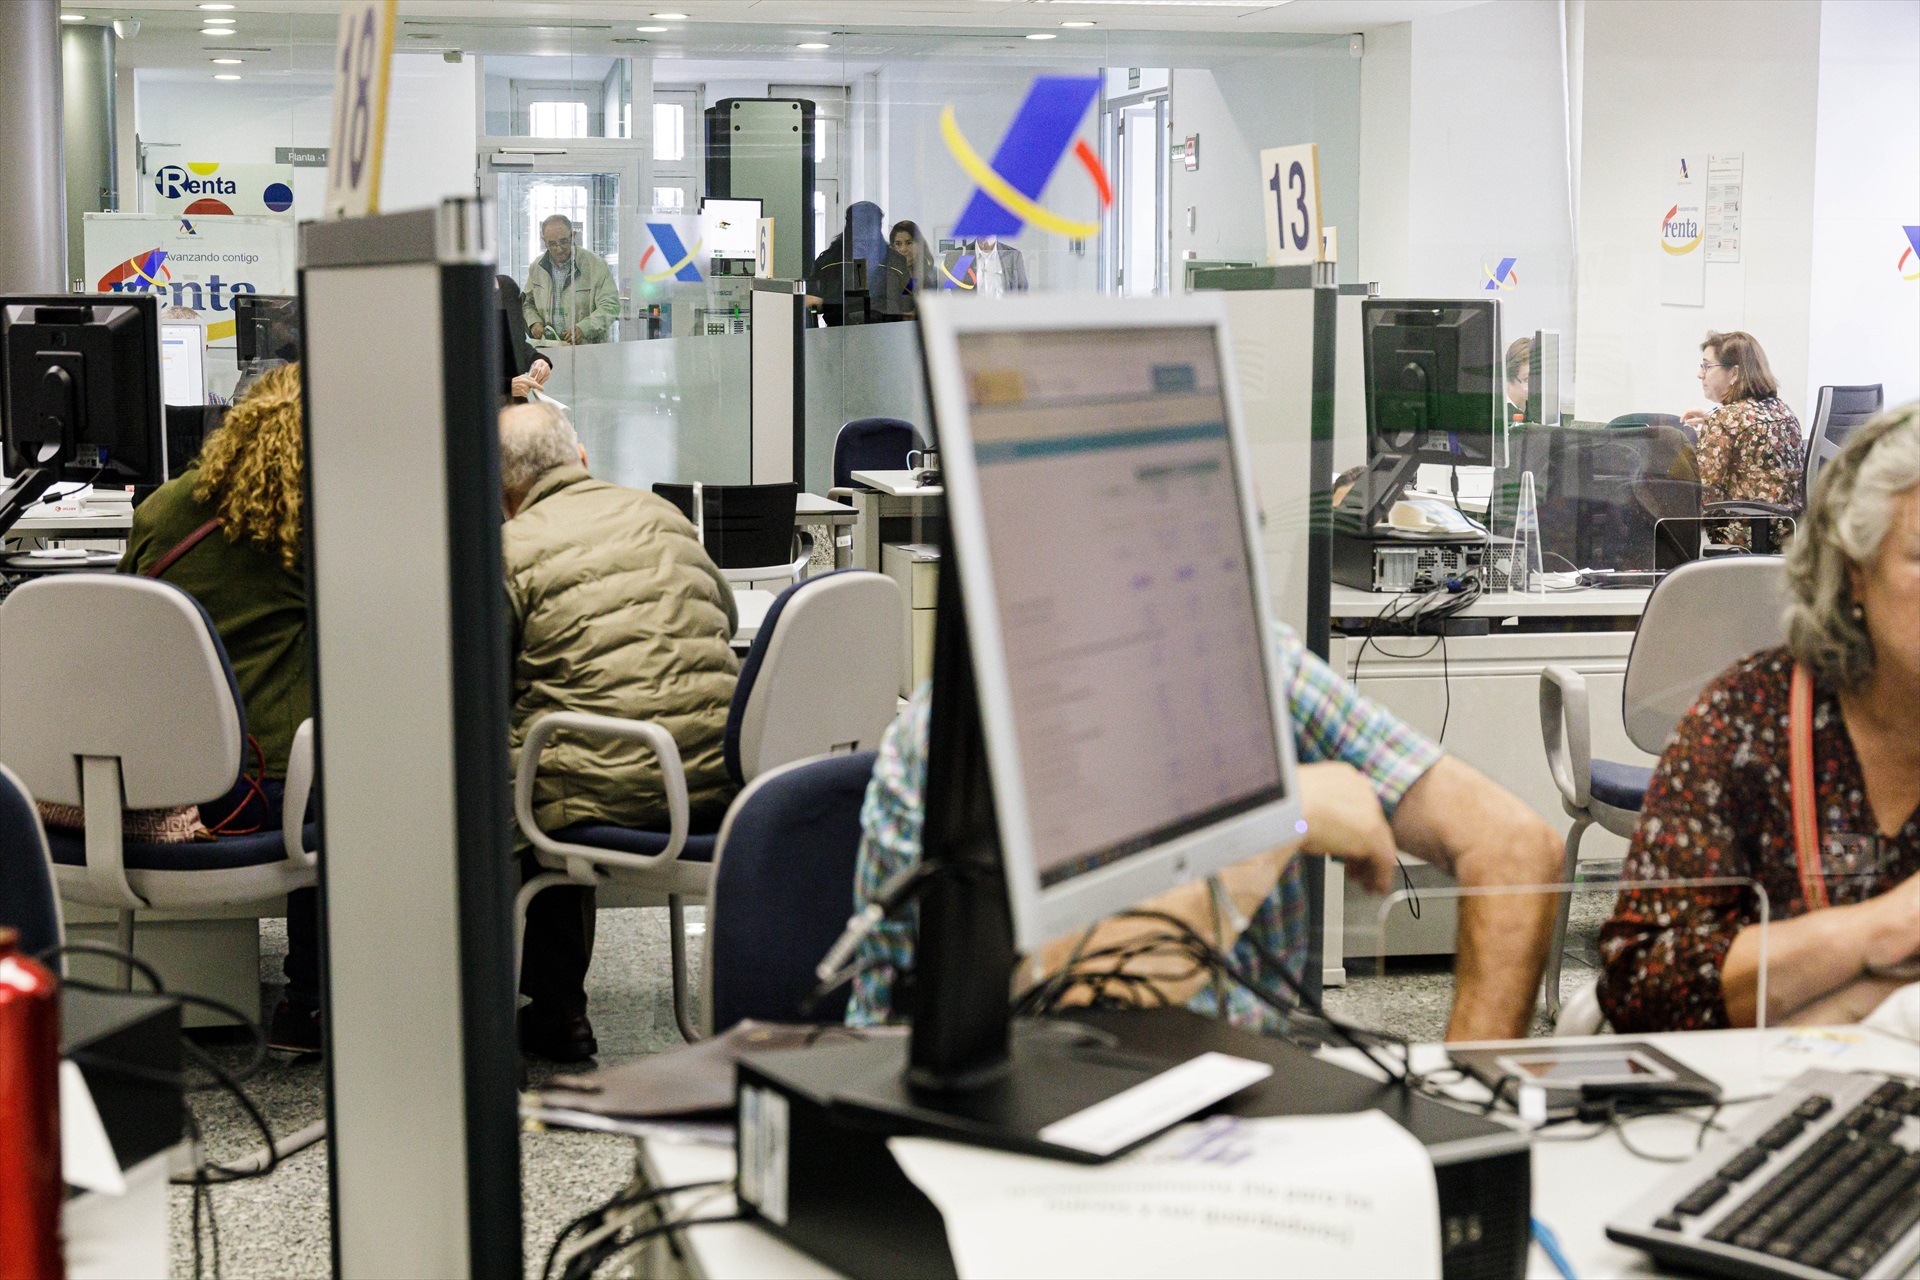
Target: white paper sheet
<point>86,1153</point>
<point>1324,1196</point>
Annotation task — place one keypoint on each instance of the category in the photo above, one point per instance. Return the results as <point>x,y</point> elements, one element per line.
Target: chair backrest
<point>822,675</point>
<point>1645,420</point>
<point>1701,619</point>
<point>872,444</point>
<point>28,900</point>
<point>1600,492</point>
<point>743,526</point>
<point>107,664</point>
<point>783,889</point>
<point>1839,411</point>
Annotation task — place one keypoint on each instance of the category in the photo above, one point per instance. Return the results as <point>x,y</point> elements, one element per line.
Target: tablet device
<point>1585,1071</point>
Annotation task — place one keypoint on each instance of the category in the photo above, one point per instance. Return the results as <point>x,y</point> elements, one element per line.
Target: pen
<point>1550,1245</point>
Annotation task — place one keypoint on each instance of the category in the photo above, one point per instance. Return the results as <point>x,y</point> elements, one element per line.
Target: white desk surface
<point>118,519</point>
<point>1577,1186</point>
<point>898,484</point>
<point>752,605</point>
<point>1585,602</point>
<point>812,504</point>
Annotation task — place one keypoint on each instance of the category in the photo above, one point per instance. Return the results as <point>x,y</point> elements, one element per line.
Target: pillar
<point>88,91</point>
<point>33,198</point>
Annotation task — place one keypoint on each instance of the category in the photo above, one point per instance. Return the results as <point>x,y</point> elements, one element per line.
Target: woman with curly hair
<point>237,512</point>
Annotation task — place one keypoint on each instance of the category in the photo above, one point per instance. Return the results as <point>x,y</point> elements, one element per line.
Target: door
<point>594,188</point>
<point>1137,140</point>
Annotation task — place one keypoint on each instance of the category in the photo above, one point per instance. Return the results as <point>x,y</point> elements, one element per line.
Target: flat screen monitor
<point>266,327</point>
<point>730,228</point>
<point>82,391</point>
<point>183,364</point>
<point>1104,529</point>
<point>1435,382</point>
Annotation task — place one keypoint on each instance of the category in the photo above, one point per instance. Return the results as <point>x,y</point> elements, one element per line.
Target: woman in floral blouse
<point>1721,803</point>
<point>1751,448</point>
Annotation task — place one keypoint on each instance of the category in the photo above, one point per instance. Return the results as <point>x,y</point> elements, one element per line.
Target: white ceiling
<point>298,34</point>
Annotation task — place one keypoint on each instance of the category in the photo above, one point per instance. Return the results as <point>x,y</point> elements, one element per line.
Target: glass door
<point>1138,136</point>
<point>594,189</point>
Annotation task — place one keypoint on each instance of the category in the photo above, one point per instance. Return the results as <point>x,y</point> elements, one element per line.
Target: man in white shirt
<point>997,269</point>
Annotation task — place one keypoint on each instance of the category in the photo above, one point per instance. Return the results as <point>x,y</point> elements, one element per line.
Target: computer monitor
<point>730,228</point>
<point>81,393</point>
<point>1104,530</point>
<point>265,327</point>
<point>183,363</point>
<point>1543,378</point>
<point>1434,379</point>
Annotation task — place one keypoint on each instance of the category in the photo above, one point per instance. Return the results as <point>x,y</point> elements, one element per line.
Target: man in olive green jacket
<point>616,609</point>
<point>570,296</point>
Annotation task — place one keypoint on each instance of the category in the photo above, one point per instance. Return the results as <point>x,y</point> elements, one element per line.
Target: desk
<point>1577,1186</point>
<point>901,502</point>
<point>1485,692</point>
<point>811,508</point>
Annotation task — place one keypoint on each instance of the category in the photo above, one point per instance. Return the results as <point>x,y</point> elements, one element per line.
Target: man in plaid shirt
<point>1369,783</point>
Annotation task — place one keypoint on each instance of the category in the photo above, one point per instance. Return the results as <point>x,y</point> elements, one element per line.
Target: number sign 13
<point>1290,183</point>
<point>362,60</point>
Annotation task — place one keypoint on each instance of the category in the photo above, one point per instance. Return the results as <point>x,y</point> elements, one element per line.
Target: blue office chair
<point>116,693</point>
<point>1700,620</point>
<point>871,444</point>
<point>782,889</point>
<point>821,678</point>
<point>28,900</point>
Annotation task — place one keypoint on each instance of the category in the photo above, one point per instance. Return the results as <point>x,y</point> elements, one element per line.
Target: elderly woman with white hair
<point>1798,767</point>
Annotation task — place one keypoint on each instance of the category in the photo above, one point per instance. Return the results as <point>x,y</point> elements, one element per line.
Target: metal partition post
<point>410,695</point>
<point>779,382</point>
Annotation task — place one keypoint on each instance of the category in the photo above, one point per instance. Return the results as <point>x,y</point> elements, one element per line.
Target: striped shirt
<point>1331,721</point>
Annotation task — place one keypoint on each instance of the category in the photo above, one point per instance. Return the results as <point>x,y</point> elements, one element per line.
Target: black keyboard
<point>1823,1180</point>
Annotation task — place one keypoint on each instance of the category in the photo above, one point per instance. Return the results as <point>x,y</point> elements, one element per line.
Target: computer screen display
<point>730,228</point>
<point>1435,381</point>
<point>183,364</point>
<point>1133,626</point>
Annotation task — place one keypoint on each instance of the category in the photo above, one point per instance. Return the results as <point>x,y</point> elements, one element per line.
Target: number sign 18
<point>362,58</point>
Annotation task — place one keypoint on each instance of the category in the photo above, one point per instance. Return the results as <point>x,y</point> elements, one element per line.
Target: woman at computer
<point>1839,858</point>
<point>1750,448</point>
<point>231,525</point>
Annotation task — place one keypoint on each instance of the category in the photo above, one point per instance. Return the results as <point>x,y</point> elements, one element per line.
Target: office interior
<point>1508,163</point>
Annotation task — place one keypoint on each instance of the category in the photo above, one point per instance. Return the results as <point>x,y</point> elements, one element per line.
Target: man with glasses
<point>570,294</point>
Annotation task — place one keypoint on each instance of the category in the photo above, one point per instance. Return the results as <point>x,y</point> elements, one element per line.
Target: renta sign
<point>198,265</point>
<point>1680,230</point>
<point>203,189</point>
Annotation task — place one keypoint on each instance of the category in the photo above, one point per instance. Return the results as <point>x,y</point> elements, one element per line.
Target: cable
<point>834,969</point>
<point>596,1217</point>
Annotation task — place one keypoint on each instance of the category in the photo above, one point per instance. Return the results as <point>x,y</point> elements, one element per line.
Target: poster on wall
<point>195,264</point>
<point>1683,268</point>
<point>209,189</point>
<point>1724,177</point>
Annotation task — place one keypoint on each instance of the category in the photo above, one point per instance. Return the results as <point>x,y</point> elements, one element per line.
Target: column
<point>33,250</point>
<point>88,90</point>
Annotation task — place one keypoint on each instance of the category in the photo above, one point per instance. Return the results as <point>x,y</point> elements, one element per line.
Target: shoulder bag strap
<point>186,544</point>
<point>1806,804</point>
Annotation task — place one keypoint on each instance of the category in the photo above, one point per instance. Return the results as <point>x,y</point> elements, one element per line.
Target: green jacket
<point>258,606</point>
<point>616,609</point>
<point>584,297</point>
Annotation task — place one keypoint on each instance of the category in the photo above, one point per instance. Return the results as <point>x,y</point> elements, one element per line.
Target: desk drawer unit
<point>916,567</point>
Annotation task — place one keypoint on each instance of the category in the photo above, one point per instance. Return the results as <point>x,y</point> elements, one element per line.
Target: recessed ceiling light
<point>650,30</point>
<point>226,76</point>
<point>813,44</point>
<point>73,17</point>
<point>216,6</point>
<point>669,17</point>
<point>216,31</point>
<point>1042,35</point>
<point>219,22</point>
<point>1081,23</point>
<point>227,62</point>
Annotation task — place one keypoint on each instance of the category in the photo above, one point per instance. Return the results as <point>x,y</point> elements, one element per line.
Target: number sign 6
<point>1291,178</point>
<point>363,55</point>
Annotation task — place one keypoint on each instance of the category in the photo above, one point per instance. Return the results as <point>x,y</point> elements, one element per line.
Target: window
<point>557,119</point>
<point>666,199</point>
<point>669,131</point>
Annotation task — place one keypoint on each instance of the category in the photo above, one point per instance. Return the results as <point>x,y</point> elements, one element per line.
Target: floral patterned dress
<point>1752,451</point>
<point>1720,805</point>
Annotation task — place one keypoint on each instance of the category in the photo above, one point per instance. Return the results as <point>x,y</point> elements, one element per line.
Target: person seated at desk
<point>1844,895</point>
<point>1751,448</point>
<point>231,525</point>
<point>615,609</point>
<point>1519,369</point>
<point>1370,784</point>
<point>571,296</point>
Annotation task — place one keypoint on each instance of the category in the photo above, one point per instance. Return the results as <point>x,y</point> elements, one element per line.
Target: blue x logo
<point>1038,139</point>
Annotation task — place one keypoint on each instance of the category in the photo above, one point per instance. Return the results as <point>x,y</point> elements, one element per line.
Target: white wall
<point>1666,80</point>
<point>430,128</point>
<point>1865,319</point>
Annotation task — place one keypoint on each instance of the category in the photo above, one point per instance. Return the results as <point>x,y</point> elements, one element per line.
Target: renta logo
<point>1679,235</point>
<point>148,273</point>
<point>175,183</point>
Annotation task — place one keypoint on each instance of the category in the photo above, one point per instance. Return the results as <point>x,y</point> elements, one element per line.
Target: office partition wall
<point>410,695</point>
<point>779,372</point>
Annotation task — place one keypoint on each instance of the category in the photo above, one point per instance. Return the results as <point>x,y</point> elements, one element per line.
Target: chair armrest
<point>841,493</point>
<point>1736,507</point>
<point>1564,705</point>
<point>672,773</point>
<point>293,805</point>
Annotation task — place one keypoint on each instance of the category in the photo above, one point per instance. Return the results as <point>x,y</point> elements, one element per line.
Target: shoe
<point>295,1028</point>
<point>562,1040</point>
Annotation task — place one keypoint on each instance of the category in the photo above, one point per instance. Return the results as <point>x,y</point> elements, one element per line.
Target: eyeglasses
<point>559,242</point>
<point>1709,364</point>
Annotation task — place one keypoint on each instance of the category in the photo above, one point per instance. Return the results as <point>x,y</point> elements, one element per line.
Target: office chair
<point>28,899</point>
<point>1839,411</point>
<point>870,444</point>
<point>1645,420</point>
<point>116,693</point>
<point>781,891</point>
<point>1600,493</point>
<point>1702,618</point>
<point>748,529</point>
<point>820,679</point>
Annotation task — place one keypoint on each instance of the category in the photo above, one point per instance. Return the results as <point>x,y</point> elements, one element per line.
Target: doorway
<point>1138,133</point>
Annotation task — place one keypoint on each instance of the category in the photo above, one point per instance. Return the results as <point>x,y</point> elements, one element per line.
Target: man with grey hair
<point>570,296</point>
<point>617,610</point>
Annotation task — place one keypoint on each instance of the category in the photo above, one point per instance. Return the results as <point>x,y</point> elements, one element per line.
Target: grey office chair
<point>820,679</point>
<point>1839,411</point>
<point>1702,618</point>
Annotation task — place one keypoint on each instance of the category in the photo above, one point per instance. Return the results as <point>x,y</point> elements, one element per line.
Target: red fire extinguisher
<point>30,1188</point>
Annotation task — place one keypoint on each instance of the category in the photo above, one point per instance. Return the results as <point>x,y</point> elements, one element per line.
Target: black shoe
<point>295,1028</point>
<point>563,1040</point>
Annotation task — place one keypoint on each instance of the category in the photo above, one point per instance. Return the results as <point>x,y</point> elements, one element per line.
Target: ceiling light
<point>813,44</point>
<point>1081,23</point>
<point>73,17</point>
<point>669,17</point>
<point>216,31</point>
<point>1042,35</point>
<point>651,30</point>
<point>226,76</point>
<point>227,62</point>
<point>219,22</point>
<point>216,6</point>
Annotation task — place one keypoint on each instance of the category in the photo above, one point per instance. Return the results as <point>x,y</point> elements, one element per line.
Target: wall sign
<point>1290,182</point>
<point>1724,174</point>
<point>362,65</point>
<point>301,157</point>
<point>197,264</point>
<point>209,189</point>
<point>1683,267</point>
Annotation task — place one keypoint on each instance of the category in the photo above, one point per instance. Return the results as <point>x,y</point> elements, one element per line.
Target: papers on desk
<point>1346,1195</point>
